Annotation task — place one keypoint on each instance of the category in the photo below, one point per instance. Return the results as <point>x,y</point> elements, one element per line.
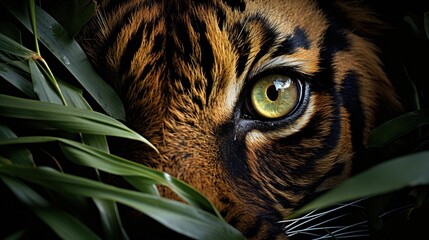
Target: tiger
<point>259,105</point>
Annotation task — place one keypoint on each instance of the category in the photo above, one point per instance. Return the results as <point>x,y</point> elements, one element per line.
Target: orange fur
<point>187,111</point>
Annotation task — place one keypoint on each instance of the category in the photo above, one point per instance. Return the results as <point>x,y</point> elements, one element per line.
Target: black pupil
<point>272,93</point>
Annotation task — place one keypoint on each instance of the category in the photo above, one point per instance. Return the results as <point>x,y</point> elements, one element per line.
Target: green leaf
<point>145,185</point>
<point>71,55</point>
<point>16,77</point>
<point>6,132</point>
<point>412,23</point>
<point>17,235</point>
<point>73,95</point>
<point>95,158</point>
<point>74,98</point>
<point>80,17</point>
<point>178,216</point>
<point>110,220</point>
<point>44,91</point>
<point>18,154</point>
<point>16,62</point>
<point>32,11</point>
<point>66,118</point>
<point>71,14</point>
<point>87,156</point>
<point>395,128</point>
<point>97,141</point>
<point>65,225</point>
<point>405,171</point>
<point>10,46</point>
<point>9,29</point>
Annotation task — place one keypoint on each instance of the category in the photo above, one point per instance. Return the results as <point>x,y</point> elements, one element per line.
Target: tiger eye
<point>275,96</point>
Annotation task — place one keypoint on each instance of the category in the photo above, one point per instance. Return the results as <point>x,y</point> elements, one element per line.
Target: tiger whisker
<point>363,223</point>
<point>242,29</point>
<point>395,209</point>
<point>340,237</point>
<point>306,233</point>
<point>310,217</point>
<point>354,231</point>
<point>331,234</point>
<point>312,229</point>
<point>318,224</point>
<point>338,233</point>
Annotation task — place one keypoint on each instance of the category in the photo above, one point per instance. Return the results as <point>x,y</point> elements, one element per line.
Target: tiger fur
<point>185,69</point>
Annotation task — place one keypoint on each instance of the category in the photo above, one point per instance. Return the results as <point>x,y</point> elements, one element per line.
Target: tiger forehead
<point>200,53</point>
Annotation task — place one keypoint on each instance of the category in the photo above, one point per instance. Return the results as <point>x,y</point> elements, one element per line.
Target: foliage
<point>47,113</point>
<point>69,112</point>
<point>391,196</point>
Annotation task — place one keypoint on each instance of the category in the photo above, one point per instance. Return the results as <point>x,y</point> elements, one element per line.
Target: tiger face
<point>258,104</point>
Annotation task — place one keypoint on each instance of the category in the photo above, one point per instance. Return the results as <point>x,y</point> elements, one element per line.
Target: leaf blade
<point>181,217</point>
<point>70,54</point>
<point>383,178</point>
<point>66,118</point>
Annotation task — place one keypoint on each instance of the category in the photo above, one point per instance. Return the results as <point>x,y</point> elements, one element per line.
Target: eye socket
<point>274,96</point>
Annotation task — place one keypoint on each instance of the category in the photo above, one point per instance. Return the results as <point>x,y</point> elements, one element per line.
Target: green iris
<point>274,96</point>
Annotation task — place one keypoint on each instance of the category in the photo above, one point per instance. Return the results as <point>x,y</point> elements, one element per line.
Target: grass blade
<point>110,220</point>
<point>17,235</point>
<point>73,95</point>
<point>95,158</point>
<point>52,35</point>
<point>16,77</point>
<point>398,127</point>
<point>66,118</point>
<point>405,171</point>
<point>178,216</point>
<point>44,91</point>
<point>65,225</point>
<point>18,154</point>
<point>72,15</point>
<point>9,45</point>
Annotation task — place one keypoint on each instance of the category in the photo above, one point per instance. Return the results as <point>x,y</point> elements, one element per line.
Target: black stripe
<point>280,198</point>
<point>336,15</point>
<point>333,42</point>
<point>198,101</point>
<point>350,93</point>
<point>159,42</point>
<point>234,220</point>
<point>115,30</point>
<point>300,39</point>
<point>271,217</point>
<point>181,31</point>
<point>132,47</point>
<point>221,17</point>
<point>336,170</point>
<point>254,228</point>
<point>292,42</point>
<point>232,151</point>
<point>239,37</point>
<point>312,131</point>
<point>128,82</point>
<point>239,5</point>
<point>170,49</point>
<point>146,70</point>
<point>113,5</point>
<point>269,35</point>
<point>207,57</point>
